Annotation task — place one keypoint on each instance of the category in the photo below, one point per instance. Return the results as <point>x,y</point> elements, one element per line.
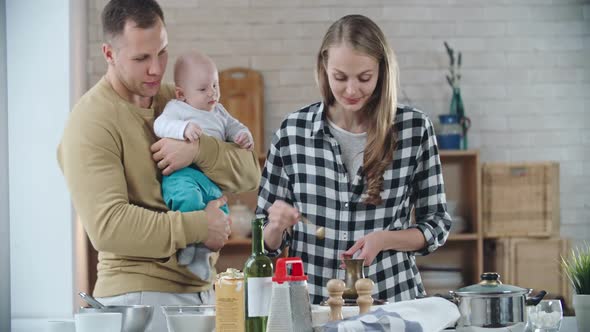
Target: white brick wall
<point>526,74</point>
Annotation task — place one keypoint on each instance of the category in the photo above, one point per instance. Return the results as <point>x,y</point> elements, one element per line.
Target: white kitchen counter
<point>568,324</point>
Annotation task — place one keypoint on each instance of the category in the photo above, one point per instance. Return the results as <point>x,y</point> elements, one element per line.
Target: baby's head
<point>197,80</point>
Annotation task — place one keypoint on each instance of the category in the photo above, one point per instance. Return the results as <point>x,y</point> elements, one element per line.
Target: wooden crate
<point>530,263</point>
<point>520,199</point>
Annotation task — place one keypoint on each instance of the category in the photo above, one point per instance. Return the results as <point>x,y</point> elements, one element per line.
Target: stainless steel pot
<point>491,304</point>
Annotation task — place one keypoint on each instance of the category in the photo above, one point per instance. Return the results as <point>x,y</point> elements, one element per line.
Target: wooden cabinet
<point>463,252</point>
<point>530,263</point>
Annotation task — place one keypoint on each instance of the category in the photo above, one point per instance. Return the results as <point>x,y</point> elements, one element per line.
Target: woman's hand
<point>369,246</point>
<point>282,215</point>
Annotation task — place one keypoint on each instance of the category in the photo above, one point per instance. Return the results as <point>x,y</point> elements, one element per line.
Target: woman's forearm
<point>273,237</point>
<point>403,240</point>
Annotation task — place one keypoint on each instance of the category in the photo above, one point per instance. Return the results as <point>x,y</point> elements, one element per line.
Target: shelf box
<point>530,263</point>
<point>521,199</point>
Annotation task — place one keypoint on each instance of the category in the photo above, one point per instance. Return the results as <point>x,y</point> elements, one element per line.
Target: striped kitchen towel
<point>431,314</point>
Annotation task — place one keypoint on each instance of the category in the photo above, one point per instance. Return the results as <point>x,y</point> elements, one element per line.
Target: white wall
<point>38,76</point>
<point>526,75</point>
<point>4,215</point>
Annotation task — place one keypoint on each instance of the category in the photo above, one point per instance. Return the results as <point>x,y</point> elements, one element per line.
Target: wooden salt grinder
<point>364,288</point>
<point>335,289</point>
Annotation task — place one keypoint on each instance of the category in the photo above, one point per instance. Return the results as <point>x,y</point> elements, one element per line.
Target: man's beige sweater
<point>115,187</point>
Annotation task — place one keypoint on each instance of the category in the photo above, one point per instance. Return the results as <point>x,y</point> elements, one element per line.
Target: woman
<point>355,164</point>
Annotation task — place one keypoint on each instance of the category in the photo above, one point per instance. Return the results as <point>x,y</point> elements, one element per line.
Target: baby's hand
<point>192,132</point>
<point>244,140</point>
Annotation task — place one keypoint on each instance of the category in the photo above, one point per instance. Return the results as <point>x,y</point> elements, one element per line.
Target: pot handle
<point>450,296</point>
<point>534,300</point>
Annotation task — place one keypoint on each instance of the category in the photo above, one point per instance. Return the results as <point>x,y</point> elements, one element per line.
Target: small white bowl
<point>190,318</point>
<point>98,322</point>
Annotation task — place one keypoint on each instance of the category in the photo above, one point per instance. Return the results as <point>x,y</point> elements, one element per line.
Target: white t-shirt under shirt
<point>352,147</point>
<point>217,123</point>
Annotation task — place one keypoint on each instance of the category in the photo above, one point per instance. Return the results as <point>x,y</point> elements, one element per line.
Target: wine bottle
<point>258,282</point>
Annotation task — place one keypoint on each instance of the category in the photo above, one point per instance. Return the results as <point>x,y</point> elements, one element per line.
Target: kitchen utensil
<point>190,318</point>
<point>364,287</point>
<point>335,301</point>
<point>91,300</point>
<point>354,271</point>
<point>290,309</point>
<point>491,304</point>
<point>320,232</point>
<point>135,317</point>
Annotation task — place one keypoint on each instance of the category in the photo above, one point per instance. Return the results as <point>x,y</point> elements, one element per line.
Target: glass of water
<point>546,316</point>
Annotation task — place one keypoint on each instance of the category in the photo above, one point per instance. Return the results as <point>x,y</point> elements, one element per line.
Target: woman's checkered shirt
<point>304,168</point>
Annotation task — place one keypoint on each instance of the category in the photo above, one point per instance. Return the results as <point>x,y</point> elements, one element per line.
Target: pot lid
<point>490,284</point>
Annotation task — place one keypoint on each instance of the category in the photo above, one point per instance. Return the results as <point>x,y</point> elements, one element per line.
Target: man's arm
<point>91,160</point>
<point>232,168</point>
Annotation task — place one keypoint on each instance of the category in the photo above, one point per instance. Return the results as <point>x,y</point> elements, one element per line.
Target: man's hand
<point>244,140</point>
<point>218,224</point>
<point>368,245</point>
<point>172,155</point>
<point>192,132</point>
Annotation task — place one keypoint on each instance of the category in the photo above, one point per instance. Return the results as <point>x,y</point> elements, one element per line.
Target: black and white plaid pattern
<point>304,168</point>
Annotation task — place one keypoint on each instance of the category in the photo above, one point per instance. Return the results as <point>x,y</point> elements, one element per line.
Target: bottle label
<point>259,295</point>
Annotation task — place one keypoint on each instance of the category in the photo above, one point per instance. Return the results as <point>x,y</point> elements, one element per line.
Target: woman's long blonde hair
<point>363,35</point>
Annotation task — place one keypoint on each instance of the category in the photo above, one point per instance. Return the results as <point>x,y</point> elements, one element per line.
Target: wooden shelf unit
<point>463,251</point>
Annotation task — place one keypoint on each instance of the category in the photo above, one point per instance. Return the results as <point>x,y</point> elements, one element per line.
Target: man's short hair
<point>144,13</point>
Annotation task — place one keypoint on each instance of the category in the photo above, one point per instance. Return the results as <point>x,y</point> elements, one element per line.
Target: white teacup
<point>66,325</point>
<point>99,322</point>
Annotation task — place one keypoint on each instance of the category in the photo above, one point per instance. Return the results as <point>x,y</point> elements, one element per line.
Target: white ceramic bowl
<point>185,318</point>
<point>98,321</point>
<point>135,317</point>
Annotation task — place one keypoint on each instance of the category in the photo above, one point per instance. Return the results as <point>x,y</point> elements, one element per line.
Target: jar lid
<point>490,284</point>
<point>231,273</point>
<point>448,118</point>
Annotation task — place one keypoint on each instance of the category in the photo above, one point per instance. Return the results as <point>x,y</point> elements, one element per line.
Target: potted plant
<point>454,79</point>
<point>577,269</point>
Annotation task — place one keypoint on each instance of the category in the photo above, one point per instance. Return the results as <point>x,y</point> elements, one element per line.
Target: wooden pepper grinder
<point>364,288</point>
<point>335,289</point>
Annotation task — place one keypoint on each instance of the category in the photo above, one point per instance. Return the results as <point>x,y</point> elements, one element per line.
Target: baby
<point>196,110</point>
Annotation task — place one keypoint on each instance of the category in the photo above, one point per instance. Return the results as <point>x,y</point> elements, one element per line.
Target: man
<point>110,159</point>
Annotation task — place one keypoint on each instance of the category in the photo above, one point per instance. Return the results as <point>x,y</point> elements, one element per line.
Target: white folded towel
<point>431,314</point>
